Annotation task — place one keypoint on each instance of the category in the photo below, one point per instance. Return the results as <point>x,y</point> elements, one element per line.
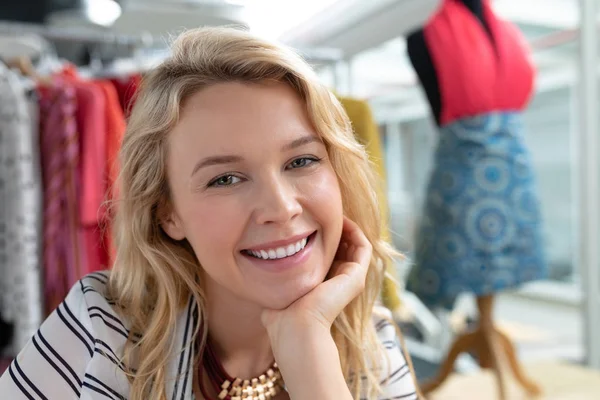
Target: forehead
<point>236,114</point>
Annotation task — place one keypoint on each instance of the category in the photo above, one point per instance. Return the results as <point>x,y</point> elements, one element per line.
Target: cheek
<point>212,228</point>
<point>323,201</point>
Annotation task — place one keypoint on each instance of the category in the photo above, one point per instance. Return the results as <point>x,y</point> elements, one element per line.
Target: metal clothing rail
<point>144,40</point>
<point>80,35</point>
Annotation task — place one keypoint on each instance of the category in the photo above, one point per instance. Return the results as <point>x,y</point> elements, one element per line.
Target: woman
<point>247,246</point>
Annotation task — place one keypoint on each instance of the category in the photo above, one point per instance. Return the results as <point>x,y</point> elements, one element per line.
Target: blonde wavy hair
<point>154,276</point>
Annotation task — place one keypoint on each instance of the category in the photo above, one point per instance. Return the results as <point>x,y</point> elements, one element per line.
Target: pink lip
<point>280,243</point>
<point>284,264</point>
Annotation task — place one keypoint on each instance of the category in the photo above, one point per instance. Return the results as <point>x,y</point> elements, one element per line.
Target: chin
<point>286,295</point>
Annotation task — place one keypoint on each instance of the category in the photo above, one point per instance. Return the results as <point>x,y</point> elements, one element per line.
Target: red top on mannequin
<point>479,68</point>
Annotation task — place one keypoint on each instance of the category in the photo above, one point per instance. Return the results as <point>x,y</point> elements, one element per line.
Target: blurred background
<point>358,48</point>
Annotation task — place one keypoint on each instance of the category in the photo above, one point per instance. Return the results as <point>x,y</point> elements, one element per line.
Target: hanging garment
<point>20,211</point>
<point>91,123</point>
<point>127,89</point>
<point>115,130</point>
<point>367,133</point>
<point>60,160</point>
<point>481,225</point>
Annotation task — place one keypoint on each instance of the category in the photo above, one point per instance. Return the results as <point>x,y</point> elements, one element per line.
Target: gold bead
<point>246,383</point>
<point>225,384</point>
<point>223,394</point>
<point>262,378</point>
<point>237,382</point>
<point>261,397</point>
<point>270,373</point>
<point>254,382</point>
<point>236,398</point>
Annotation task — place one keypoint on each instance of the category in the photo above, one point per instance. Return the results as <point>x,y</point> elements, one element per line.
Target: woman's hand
<point>300,334</point>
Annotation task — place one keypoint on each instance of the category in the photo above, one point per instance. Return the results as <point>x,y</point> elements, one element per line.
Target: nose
<point>277,202</point>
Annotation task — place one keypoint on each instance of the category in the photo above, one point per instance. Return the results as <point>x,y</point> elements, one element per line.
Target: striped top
<point>75,354</point>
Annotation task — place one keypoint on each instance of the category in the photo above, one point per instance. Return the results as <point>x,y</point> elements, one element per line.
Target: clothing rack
<point>79,35</point>
<point>133,42</point>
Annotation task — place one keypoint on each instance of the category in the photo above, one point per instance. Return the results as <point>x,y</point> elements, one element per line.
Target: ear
<point>171,224</point>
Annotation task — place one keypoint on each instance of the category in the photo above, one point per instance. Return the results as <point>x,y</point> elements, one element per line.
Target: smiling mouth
<point>280,252</point>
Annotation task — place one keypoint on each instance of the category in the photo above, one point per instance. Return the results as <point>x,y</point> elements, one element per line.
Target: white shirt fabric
<point>75,354</point>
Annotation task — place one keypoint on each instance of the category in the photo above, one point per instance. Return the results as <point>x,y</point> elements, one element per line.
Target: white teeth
<point>280,252</point>
<point>290,250</point>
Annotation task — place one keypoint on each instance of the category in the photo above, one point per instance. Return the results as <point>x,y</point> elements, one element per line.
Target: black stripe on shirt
<point>112,356</point>
<point>56,367</point>
<point>95,278</point>
<point>108,324</point>
<point>411,396</point>
<point>181,358</point>
<point>97,390</point>
<point>19,385</point>
<point>72,328</point>
<point>114,318</point>
<point>381,325</point>
<point>89,335</point>
<point>400,376</point>
<point>26,379</point>
<point>109,315</point>
<point>105,386</point>
<point>62,360</point>
<point>387,380</point>
<point>389,344</point>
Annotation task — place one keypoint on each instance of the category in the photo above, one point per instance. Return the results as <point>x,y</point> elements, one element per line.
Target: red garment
<point>477,73</point>
<point>92,126</point>
<point>127,89</point>
<point>115,129</point>
<point>59,147</point>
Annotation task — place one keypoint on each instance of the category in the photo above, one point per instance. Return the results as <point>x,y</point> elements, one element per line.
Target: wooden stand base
<point>491,347</point>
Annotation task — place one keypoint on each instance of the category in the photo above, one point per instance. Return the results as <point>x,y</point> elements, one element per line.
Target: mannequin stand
<point>489,344</point>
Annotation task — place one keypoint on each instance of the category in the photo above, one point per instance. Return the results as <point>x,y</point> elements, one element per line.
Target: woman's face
<point>253,192</point>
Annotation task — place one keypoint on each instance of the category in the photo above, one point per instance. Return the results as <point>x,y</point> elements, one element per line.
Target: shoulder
<point>89,297</point>
<point>396,376</point>
<point>77,349</point>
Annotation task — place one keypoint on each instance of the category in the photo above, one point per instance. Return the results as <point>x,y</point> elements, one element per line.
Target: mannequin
<point>471,119</point>
<point>423,65</point>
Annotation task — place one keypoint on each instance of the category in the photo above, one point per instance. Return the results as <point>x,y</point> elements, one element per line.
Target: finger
<point>331,297</point>
<point>359,247</point>
<point>342,251</point>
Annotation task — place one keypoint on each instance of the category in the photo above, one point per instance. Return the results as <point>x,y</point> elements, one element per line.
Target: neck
<point>234,325</point>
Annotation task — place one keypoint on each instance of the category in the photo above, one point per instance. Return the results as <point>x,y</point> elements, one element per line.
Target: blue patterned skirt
<point>480,230</point>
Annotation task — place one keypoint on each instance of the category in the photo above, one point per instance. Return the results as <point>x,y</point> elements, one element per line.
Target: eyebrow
<point>230,159</point>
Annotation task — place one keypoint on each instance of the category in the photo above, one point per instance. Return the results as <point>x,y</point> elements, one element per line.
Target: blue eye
<point>224,180</point>
<point>302,162</point>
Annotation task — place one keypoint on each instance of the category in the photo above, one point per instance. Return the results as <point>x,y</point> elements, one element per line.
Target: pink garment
<point>91,123</point>
<point>477,73</point>
<point>59,146</point>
